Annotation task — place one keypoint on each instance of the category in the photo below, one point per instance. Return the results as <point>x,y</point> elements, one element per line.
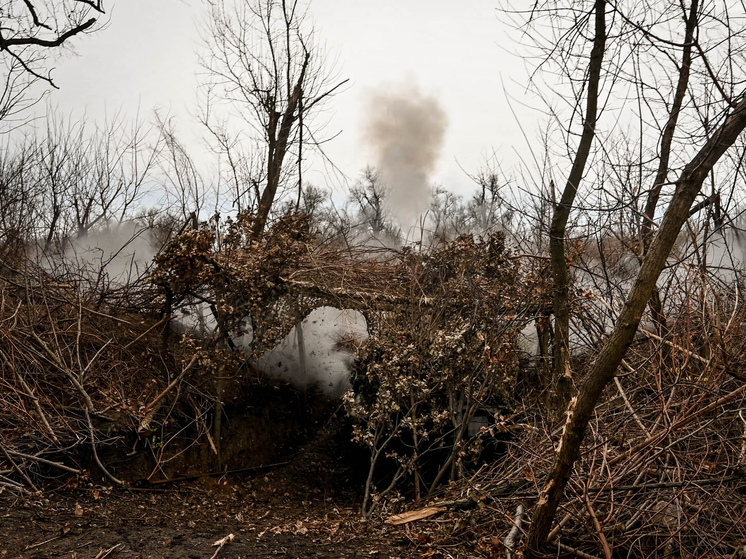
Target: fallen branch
<point>670,484</point>
<point>150,409</point>
<point>561,524</point>
<point>509,542</point>
<point>13,486</point>
<point>106,472</point>
<point>577,552</point>
<point>598,527</point>
<point>508,488</point>
<point>105,553</point>
<point>45,461</point>
<point>34,546</point>
<point>629,406</point>
<point>676,426</point>
<point>221,544</point>
<point>413,515</point>
<point>17,469</point>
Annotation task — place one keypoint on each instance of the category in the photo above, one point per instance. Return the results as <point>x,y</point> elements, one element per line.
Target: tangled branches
<point>663,467</point>
<point>67,367</point>
<point>439,356</point>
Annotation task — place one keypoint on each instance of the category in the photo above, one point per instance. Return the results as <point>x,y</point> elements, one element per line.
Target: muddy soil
<point>283,513</point>
<point>306,508</point>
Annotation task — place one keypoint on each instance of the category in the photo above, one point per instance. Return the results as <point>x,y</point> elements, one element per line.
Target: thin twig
<point>221,544</point>
<point>30,394</point>
<point>95,453</point>
<point>599,528</point>
<point>105,553</point>
<point>34,546</point>
<point>678,425</point>
<point>44,461</point>
<point>629,406</point>
<point>54,358</point>
<point>151,407</point>
<point>18,469</point>
<point>577,552</point>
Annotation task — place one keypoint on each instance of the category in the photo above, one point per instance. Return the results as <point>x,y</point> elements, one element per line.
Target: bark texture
<point>562,372</point>
<point>604,368</point>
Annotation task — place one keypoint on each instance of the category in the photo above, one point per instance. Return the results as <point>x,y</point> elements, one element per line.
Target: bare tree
<point>670,86</point>
<point>562,372</point>
<point>446,217</point>
<point>29,31</point>
<point>262,62</point>
<point>185,188</point>
<point>29,26</point>
<point>70,178</point>
<point>368,203</point>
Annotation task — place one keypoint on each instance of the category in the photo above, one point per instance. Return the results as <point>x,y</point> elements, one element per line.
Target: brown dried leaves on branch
<point>442,353</point>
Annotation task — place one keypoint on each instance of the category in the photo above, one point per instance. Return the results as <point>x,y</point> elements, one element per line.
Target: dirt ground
<point>308,508</point>
<point>267,516</point>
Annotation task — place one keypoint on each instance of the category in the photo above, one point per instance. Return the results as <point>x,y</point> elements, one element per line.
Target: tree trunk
<point>656,307</point>
<point>562,372</point>
<point>278,147</point>
<point>604,368</point>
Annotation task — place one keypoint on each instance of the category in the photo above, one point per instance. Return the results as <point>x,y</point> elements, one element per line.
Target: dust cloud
<point>405,131</point>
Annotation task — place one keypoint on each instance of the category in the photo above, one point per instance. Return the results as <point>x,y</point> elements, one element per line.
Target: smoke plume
<point>114,255</point>
<point>406,130</point>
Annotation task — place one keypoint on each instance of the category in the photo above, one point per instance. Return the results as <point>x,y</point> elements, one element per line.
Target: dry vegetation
<point>89,376</point>
<point>631,443</point>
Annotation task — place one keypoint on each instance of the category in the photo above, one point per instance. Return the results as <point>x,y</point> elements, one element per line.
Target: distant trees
<point>70,181</point>
<point>367,201</point>
<point>38,176</point>
<point>484,212</point>
<point>657,108</point>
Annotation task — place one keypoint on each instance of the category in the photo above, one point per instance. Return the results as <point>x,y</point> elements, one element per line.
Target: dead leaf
<point>300,529</point>
<point>413,515</point>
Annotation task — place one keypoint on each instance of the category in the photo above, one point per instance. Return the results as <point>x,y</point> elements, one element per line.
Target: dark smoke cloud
<point>406,130</point>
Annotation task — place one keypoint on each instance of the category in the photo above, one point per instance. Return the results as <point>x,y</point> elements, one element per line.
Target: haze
<point>146,59</point>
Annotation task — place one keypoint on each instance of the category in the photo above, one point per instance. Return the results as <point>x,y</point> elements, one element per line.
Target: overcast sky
<point>457,52</point>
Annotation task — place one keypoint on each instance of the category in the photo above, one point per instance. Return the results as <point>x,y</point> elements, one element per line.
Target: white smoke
<point>405,131</point>
<point>311,356</point>
<point>119,253</point>
<point>680,284</point>
<point>114,255</point>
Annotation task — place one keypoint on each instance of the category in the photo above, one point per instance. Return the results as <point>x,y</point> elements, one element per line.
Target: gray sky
<point>146,59</point>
